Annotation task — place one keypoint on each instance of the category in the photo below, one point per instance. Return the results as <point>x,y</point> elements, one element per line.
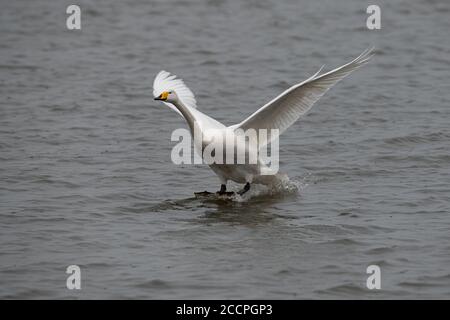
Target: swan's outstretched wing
<point>284,110</point>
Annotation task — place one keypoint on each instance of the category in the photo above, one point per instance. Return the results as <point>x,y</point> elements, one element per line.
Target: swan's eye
<point>164,95</point>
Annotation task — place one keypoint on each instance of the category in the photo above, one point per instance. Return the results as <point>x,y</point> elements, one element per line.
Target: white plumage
<point>164,81</point>
<point>284,110</point>
<point>280,113</point>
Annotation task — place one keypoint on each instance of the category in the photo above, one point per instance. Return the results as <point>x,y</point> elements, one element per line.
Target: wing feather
<point>281,112</point>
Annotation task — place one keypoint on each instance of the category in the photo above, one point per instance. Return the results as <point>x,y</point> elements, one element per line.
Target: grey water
<point>86,177</point>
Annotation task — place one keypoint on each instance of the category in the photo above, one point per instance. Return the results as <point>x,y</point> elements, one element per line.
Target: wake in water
<point>258,194</point>
<point>283,186</point>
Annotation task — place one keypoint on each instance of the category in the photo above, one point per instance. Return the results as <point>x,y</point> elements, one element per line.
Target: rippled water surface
<point>86,176</point>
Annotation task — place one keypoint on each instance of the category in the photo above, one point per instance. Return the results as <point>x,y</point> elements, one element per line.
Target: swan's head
<point>168,96</point>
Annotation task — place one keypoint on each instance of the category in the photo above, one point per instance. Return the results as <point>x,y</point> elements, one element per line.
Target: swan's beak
<point>163,96</point>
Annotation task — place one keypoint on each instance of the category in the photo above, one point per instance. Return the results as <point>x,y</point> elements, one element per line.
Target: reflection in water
<point>254,210</point>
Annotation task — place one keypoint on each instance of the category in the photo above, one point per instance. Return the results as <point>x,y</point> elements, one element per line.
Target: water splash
<point>282,187</point>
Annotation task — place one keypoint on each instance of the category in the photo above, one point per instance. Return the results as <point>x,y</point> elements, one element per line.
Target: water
<point>86,176</point>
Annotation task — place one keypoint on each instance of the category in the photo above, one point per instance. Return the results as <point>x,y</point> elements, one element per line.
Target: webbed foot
<point>245,189</point>
<point>223,189</point>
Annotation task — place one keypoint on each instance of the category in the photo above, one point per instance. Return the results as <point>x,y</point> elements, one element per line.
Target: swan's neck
<point>187,114</point>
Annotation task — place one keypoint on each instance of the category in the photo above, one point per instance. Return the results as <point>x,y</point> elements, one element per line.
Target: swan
<point>279,113</point>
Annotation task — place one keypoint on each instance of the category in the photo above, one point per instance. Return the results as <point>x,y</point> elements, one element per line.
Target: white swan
<point>280,113</point>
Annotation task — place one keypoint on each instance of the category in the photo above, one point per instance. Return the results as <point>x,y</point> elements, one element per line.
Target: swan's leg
<point>223,189</point>
<point>245,189</point>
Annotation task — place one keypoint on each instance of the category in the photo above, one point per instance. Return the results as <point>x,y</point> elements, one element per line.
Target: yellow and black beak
<point>163,96</point>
